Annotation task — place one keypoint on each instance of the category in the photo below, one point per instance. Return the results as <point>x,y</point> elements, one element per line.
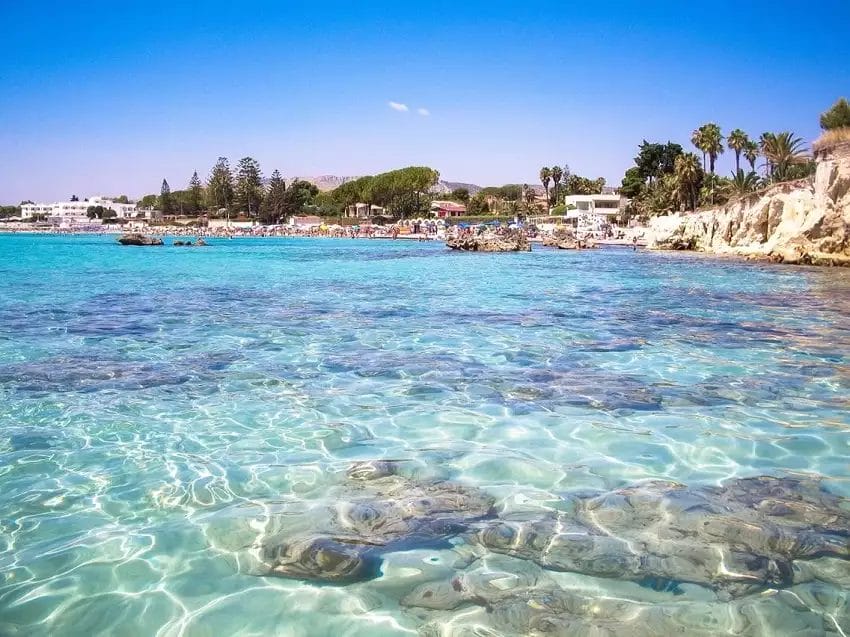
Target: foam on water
<point>160,409</point>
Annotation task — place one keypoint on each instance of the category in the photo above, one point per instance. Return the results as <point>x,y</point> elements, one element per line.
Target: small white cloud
<point>424,112</point>
<point>396,106</point>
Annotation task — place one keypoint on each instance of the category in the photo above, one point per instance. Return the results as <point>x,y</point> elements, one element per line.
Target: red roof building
<point>443,209</point>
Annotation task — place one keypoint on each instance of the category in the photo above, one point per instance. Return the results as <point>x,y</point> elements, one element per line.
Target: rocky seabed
<point>753,556</point>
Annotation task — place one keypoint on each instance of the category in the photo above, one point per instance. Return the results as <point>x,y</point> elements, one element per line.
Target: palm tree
<point>744,183</point>
<point>713,144</point>
<point>529,197</point>
<point>698,140</point>
<point>557,173</point>
<point>766,141</point>
<point>687,175</point>
<point>751,153</point>
<point>545,178</point>
<point>738,141</point>
<point>783,151</point>
<point>709,140</point>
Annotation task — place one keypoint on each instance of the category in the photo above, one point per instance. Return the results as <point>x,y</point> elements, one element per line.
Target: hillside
<point>329,182</point>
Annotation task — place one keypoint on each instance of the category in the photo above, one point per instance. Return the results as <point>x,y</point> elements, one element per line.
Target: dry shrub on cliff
<point>831,138</point>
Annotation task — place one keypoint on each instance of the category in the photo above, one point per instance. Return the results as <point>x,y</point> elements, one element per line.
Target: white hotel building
<point>75,212</point>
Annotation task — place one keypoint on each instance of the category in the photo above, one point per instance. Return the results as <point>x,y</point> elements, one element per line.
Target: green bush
<point>836,117</point>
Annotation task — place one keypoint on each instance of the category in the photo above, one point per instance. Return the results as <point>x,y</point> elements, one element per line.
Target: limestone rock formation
<point>137,239</point>
<point>513,241</point>
<point>806,222</point>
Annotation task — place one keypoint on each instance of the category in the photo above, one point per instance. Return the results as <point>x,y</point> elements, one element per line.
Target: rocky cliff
<point>796,222</point>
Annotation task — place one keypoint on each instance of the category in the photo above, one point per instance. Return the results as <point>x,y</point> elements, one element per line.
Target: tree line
<point>243,191</point>
<point>665,177</point>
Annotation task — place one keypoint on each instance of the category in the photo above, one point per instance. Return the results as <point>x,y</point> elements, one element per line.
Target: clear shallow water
<point>152,401</point>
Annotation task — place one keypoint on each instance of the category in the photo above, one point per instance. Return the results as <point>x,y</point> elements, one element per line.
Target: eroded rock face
<point>136,239</point>
<point>513,241</point>
<point>805,222</point>
<point>736,539</point>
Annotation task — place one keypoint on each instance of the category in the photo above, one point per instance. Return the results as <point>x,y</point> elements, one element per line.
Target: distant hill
<point>445,187</point>
<point>329,182</point>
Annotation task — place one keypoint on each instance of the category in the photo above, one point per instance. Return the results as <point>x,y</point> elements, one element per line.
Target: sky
<point>111,97</point>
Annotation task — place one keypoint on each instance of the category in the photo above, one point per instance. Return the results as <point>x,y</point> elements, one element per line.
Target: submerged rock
<point>136,239</point>
<point>736,539</point>
<point>551,610</point>
<point>378,512</point>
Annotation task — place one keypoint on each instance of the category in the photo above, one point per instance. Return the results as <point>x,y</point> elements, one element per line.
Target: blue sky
<point>109,98</point>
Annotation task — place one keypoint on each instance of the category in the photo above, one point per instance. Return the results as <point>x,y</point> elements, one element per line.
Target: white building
<point>592,213</point>
<point>364,211</point>
<point>76,212</point>
<point>588,214</point>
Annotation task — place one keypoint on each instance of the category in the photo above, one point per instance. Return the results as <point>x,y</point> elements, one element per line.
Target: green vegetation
<point>403,192</point>
<point>665,178</point>
<point>461,195</point>
<point>220,185</point>
<point>738,142</point>
<point>563,183</point>
<point>836,117</point>
<point>165,202</point>
<point>99,212</point>
<point>9,211</point>
<point>709,140</point>
<point>249,186</point>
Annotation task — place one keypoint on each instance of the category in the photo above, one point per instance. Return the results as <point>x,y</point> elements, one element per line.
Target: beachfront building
<point>75,212</point>
<point>587,214</point>
<point>364,211</point>
<point>593,213</point>
<point>443,209</point>
<point>305,221</point>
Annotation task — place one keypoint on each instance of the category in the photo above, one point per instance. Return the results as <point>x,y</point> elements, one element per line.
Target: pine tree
<point>196,193</point>
<point>249,185</point>
<point>165,203</point>
<point>274,201</point>
<point>220,185</point>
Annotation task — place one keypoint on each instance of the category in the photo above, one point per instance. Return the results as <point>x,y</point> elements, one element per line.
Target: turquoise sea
<point>160,408</point>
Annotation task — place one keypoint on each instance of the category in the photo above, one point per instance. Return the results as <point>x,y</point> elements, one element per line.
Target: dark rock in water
<point>373,469</point>
<point>377,515</point>
<point>136,239</point>
<point>513,241</point>
<point>179,243</point>
<point>324,559</point>
<point>200,242</point>
<point>738,538</point>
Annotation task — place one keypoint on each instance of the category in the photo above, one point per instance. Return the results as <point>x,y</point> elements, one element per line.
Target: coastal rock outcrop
<point>562,238</point>
<point>805,222</point>
<point>137,239</point>
<point>513,241</point>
